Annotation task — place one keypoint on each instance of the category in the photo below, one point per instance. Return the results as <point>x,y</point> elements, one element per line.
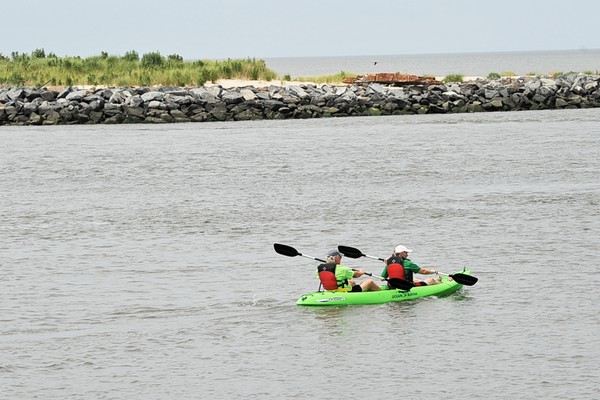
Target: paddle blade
<point>397,283</point>
<point>285,250</point>
<point>350,252</point>
<point>464,279</point>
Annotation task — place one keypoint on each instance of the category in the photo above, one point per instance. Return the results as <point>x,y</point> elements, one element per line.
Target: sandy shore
<point>233,83</point>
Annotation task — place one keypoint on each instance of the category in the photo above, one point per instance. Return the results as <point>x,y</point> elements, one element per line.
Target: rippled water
<point>137,262</point>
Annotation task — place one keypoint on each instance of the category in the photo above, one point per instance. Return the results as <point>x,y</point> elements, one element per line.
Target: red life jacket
<point>395,268</point>
<point>327,277</point>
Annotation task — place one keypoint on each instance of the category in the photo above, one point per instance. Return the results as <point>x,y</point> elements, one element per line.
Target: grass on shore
<point>38,69</point>
<point>333,78</point>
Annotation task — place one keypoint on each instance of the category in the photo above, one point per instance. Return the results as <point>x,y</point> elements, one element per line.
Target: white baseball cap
<point>399,249</point>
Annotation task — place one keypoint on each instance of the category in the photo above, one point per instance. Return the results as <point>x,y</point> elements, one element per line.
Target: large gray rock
<point>232,97</point>
<point>133,110</point>
<point>112,109</point>
<point>215,91</point>
<point>248,94</point>
<point>48,95</point>
<point>153,96</point>
<point>64,93</point>
<point>119,97</point>
<point>15,94</point>
<point>76,95</point>
<point>179,98</point>
<point>202,95</point>
<point>51,117</point>
<point>298,92</point>
<point>134,101</point>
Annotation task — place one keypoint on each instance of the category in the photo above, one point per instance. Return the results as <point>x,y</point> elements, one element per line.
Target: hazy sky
<point>197,29</point>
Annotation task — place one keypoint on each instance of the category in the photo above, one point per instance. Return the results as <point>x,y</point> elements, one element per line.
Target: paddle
<point>292,252</point>
<point>355,253</point>
<point>463,279</point>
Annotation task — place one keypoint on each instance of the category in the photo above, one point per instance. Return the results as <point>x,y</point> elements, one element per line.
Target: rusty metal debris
<point>392,79</point>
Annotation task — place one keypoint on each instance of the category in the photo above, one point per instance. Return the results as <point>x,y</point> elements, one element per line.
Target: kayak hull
<point>334,298</point>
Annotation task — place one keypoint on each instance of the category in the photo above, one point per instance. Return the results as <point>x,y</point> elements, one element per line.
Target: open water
<point>137,262</point>
<point>467,64</point>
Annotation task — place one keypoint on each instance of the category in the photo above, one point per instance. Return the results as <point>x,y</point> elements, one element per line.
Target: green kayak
<point>385,295</point>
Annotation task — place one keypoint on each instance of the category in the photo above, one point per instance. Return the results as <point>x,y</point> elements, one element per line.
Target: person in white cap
<point>342,276</point>
<point>400,256</point>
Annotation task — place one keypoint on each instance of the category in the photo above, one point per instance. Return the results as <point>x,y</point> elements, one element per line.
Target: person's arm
<point>358,273</point>
<point>419,270</point>
<point>427,271</point>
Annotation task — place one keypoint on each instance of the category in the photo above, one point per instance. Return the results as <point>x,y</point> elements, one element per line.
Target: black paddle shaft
<point>355,253</point>
<point>292,252</point>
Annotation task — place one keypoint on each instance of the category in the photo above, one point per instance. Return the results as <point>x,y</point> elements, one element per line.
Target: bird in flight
<point>374,62</point>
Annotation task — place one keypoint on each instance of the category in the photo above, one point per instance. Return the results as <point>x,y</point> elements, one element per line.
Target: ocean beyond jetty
<point>72,105</point>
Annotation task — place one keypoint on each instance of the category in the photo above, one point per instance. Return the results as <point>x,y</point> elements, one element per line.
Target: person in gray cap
<point>335,276</point>
<point>399,259</point>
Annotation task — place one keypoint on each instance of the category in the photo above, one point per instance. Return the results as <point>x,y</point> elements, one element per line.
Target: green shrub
<point>213,75</point>
<point>131,56</point>
<point>16,79</point>
<point>38,53</point>
<point>254,74</point>
<point>226,71</point>
<point>555,75</point>
<point>202,77</point>
<point>335,78</point>
<point>152,60</point>
<point>494,75</point>
<point>453,78</point>
<point>92,80</point>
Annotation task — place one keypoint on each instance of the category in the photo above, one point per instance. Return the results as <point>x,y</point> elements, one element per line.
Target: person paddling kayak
<point>399,266</point>
<point>335,276</point>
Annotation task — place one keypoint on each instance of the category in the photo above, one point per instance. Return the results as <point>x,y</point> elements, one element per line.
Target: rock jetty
<point>27,106</point>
